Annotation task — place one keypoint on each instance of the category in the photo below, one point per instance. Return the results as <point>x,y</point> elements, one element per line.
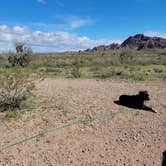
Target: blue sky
<point>61,25</point>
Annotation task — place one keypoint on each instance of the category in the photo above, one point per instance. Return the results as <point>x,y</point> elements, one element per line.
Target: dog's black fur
<point>135,101</point>
<point>164,159</point>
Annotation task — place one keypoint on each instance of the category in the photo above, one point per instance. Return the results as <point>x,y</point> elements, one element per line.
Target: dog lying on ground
<point>135,101</point>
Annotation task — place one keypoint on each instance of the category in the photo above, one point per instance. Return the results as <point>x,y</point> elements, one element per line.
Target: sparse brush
<point>14,88</point>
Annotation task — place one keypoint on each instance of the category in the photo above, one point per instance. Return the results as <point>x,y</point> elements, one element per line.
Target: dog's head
<point>144,95</point>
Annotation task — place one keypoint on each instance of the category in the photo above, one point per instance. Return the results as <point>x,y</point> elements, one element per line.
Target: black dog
<point>164,159</point>
<point>135,101</point>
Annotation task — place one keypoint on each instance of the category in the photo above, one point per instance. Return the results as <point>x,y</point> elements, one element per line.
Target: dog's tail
<point>117,102</point>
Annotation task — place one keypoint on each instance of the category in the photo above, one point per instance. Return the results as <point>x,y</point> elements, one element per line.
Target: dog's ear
<point>141,93</point>
<point>145,92</point>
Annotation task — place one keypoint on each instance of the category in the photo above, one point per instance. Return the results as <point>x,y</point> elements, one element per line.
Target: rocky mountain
<point>137,42</point>
<point>140,42</point>
<point>114,46</point>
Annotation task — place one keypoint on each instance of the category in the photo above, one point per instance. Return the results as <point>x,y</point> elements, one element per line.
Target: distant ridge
<point>137,42</point>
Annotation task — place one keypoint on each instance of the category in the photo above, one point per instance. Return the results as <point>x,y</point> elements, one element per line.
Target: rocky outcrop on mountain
<point>137,42</point>
<point>140,42</point>
<point>114,46</point>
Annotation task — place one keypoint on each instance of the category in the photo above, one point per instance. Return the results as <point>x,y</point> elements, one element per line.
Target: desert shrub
<point>157,70</point>
<point>76,69</point>
<point>109,61</point>
<point>126,57</point>
<point>60,63</point>
<point>162,59</point>
<point>134,74</point>
<point>76,72</point>
<point>22,56</point>
<point>139,77</point>
<point>108,73</point>
<point>14,89</point>
<point>1,60</point>
<point>97,61</point>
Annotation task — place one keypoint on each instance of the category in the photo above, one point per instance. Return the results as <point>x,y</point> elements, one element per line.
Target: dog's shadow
<point>135,101</point>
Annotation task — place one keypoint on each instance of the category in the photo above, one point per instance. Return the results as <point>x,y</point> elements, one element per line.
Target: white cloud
<point>41,1</point>
<point>20,30</point>
<point>73,22</point>
<point>4,28</point>
<point>155,34</point>
<point>48,41</point>
<point>79,22</point>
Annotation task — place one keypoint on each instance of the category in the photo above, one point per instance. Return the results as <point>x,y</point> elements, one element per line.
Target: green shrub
<point>97,61</point>
<point>108,73</point>
<point>76,70</point>
<point>157,70</point>
<point>126,57</point>
<point>14,89</point>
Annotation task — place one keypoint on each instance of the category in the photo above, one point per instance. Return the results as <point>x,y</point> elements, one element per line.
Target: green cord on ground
<point>83,121</point>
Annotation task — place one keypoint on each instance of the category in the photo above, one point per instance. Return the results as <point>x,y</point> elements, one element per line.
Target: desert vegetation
<point>122,64</point>
<point>18,68</point>
<point>22,56</point>
<point>125,64</point>
<point>14,88</point>
<point>76,86</point>
<point>16,85</point>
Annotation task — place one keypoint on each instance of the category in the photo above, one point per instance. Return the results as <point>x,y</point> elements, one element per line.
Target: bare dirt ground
<point>135,138</point>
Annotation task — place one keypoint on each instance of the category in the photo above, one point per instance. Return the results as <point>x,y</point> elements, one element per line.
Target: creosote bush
<point>14,89</point>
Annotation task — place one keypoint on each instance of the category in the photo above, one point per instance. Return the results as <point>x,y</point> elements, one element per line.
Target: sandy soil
<point>135,138</point>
